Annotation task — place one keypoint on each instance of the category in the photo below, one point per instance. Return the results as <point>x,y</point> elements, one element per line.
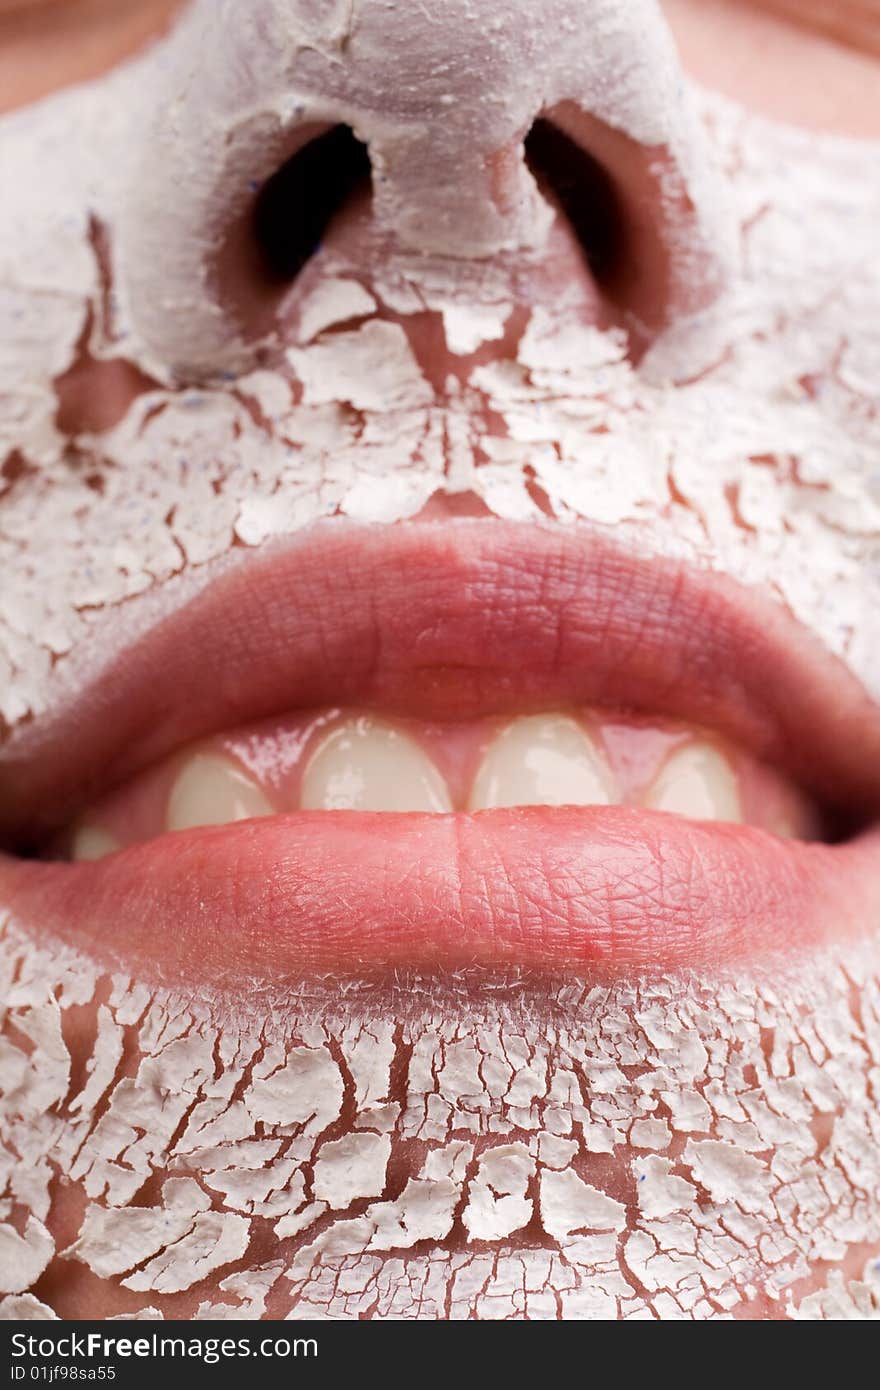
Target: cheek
<point>44,47</point>
<point>819,71</point>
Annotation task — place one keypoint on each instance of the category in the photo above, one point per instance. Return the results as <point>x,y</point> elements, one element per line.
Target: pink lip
<point>534,888</point>
<point>453,620</point>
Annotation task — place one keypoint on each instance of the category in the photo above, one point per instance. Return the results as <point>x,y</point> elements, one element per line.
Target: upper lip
<point>452,620</point>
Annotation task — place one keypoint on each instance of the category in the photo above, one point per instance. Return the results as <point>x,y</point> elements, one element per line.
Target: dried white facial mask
<point>683,1147</point>
<point>671,1148</point>
<point>435,122</point>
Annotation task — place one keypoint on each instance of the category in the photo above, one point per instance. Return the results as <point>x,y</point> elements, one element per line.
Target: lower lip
<point>534,889</point>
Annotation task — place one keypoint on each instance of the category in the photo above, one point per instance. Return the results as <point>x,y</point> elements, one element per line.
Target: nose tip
<point>276,117</point>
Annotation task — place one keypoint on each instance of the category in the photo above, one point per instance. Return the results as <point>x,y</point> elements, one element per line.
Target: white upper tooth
<point>90,842</point>
<point>211,790</point>
<point>696,781</point>
<point>364,765</point>
<point>542,760</point>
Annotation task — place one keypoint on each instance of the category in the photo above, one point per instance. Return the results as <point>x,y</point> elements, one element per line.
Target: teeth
<point>542,760</point>
<point>210,790</point>
<point>367,766</point>
<point>91,843</point>
<point>696,781</point>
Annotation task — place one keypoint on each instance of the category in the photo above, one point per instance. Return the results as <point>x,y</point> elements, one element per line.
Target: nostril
<point>585,194</point>
<point>628,204</point>
<point>295,207</point>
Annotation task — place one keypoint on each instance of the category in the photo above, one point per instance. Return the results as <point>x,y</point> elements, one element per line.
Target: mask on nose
<point>433,122</point>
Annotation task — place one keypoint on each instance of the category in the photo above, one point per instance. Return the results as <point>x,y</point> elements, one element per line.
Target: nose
<point>461,155</point>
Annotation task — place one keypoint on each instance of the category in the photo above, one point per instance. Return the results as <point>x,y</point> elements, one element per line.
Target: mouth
<point>450,744</point>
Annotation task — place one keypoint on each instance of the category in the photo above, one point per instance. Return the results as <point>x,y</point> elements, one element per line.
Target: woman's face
<point>439,520</point>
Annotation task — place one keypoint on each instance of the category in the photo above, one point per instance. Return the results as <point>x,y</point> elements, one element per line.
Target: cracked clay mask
<point>701,1144</point>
